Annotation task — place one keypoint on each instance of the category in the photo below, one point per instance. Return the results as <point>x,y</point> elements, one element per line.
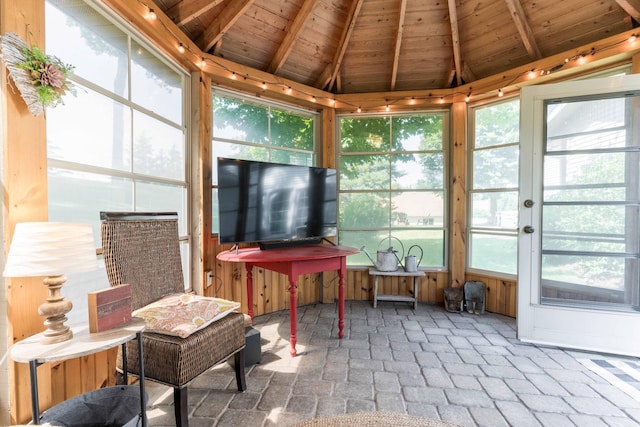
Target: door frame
<point>564,326</point>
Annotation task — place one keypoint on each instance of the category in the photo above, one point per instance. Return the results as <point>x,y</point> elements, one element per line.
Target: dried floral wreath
<point>42,79</point>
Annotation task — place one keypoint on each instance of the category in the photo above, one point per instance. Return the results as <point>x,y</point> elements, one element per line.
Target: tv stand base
<point>279,244</point>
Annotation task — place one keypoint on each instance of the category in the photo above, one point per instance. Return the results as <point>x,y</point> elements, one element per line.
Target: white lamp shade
<point>50,249</point>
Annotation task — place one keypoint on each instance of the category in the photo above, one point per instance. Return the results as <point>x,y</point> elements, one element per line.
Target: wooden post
<point>458,193</point>
<point>25,198</point>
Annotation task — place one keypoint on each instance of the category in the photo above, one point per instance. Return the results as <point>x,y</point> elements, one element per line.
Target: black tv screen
<point>267,202</point>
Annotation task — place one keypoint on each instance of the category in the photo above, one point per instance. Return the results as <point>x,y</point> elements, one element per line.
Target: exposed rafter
<point>396,55</point>
<point>292,34</point>
<point>632,7</point>
<point>455,39</point>
<point>520,19</point>
<point>186,11</point>
<point>334,67</point>
<point>386,45</point>
<point>231,13</point>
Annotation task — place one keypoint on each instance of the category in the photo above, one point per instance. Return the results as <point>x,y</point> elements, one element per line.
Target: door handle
<point>528,203</point>
<point>528,229</point>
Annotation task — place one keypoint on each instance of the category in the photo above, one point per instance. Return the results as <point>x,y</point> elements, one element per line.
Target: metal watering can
<point>411,263</point>
<point>386,260</point>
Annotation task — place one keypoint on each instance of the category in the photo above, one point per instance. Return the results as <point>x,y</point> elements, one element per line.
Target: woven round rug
<point>374,419</point>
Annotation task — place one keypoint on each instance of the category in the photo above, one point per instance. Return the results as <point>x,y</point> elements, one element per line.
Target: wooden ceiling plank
<point>396,55</point>
<point>455,38</point>
<point>186,11</point>
<point>522,25</point>
<point>231,13</point>
<point>292,35</point>
<point>347,31</point>
<point>632,7</point>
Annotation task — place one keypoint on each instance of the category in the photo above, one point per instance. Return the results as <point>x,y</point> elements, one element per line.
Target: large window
<point>493,184</point>
<point>392,184</point>
<point>119,143</point>
<point>252,129</point>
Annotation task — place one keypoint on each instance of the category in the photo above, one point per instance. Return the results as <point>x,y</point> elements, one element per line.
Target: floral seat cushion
<point>183,314</point>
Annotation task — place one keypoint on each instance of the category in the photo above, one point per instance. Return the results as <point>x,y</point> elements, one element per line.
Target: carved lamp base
<point>55,310</point>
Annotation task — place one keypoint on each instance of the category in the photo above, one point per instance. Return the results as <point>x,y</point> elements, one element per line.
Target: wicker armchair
<point>143,251</point>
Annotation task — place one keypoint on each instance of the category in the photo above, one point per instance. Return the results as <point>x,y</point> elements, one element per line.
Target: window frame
<point>133,36</point>
<point>487,231</point>
<point>316,153</point>
<point>446,211</point>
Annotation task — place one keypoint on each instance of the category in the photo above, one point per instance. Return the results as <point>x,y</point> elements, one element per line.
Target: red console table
<point>294,262</point>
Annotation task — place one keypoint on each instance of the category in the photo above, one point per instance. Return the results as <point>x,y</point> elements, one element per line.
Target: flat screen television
<point>275,204</point>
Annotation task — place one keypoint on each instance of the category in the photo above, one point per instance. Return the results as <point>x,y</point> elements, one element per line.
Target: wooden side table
<point>399,273</point>
<point>83,343</point>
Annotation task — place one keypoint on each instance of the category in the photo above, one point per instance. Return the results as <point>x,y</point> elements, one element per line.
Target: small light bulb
<point>181,48</point>
<point>264,85</point>
<point>152,15</point>
<point>332,101</point>
<point>313,99</point>
<point>532,74</point>
<point>467,98</point>
<point>233,75</point>
<point>500,92</point>
<point>202,62</point>
<point>359,110</point>
<point>632,38</point>
<point>442,100</point>
<point>386,107</point>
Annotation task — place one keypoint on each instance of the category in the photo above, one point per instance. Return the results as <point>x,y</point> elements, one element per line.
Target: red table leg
<point>341,272</point>
<point>293,312</point>
<point>250,290</point>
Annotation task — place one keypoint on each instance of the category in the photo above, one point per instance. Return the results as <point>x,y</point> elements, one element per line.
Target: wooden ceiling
<point>356,46</point>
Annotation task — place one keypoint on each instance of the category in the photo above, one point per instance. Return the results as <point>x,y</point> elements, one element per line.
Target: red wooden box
<point>109,307</point>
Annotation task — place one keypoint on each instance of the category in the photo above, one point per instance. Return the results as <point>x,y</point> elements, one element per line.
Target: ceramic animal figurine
<point>453,299</point>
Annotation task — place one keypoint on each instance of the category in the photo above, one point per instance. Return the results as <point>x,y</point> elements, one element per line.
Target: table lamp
<point>52,249</point>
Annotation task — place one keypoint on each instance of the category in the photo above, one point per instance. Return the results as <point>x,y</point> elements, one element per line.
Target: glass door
<point>579,251</point>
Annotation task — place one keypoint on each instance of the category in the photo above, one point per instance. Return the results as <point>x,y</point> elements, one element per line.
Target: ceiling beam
<point>292,35</point>
<point>522,25</point>
<point>396,55</point>
<point>186,11</point>
<point>632,7</point>
<point>455,39</point>
<point>347,30</point>
<point>225,20</point>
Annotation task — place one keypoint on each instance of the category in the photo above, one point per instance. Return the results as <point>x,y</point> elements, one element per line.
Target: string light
<point>579,58</point>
